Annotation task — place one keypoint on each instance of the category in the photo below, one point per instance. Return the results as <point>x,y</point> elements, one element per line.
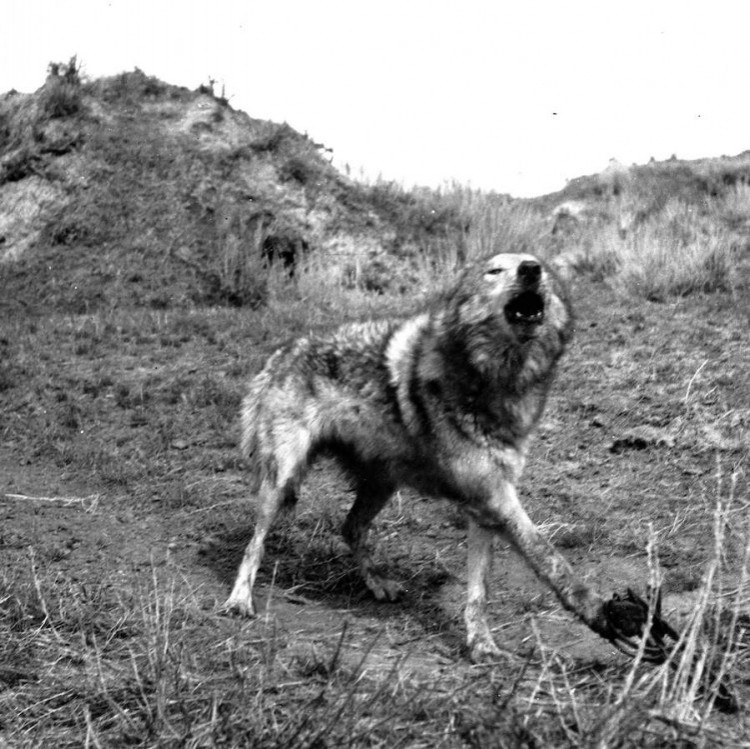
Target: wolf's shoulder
<point>371,337</point>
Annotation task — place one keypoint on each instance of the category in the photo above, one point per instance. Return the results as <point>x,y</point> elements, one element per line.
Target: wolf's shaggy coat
<point>444,402</point>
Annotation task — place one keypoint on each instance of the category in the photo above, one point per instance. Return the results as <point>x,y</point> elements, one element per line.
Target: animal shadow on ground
<point>311,565</point>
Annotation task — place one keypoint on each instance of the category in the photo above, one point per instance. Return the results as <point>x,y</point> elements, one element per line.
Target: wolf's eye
<point>495,271</point>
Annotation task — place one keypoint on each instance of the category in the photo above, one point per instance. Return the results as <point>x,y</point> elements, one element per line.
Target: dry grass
<point>673,253</point>
<point>677,250</point>
<point>149,664</point>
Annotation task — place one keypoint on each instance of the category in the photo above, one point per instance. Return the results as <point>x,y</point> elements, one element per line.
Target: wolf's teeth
<point>530,317</point>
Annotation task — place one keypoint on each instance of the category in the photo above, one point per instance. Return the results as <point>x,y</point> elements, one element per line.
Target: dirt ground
<point>646,428</point>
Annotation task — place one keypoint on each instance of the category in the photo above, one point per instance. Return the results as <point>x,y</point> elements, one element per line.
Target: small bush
<point>680,250</point>
<point>675,254</point>
<point>734,209</point>
<point>274,138</point>
<point>299,169</point>
<point>62,90</point>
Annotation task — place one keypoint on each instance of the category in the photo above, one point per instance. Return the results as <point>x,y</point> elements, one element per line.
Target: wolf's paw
<point>484,650</point>
<point>239,606</point>
<point>383,588</point>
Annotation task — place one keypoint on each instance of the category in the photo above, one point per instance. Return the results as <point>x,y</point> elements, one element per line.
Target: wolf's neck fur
<point>487,357</point>
<point>479,375</point>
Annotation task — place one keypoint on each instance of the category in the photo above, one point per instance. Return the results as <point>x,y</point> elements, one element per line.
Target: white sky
<point>516,97</point>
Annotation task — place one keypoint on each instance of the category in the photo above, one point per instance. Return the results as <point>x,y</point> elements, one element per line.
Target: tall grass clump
<point>734,207</point>
<point>677,252</point>
<point>693,698</point>
<point>362,278</point>
<point>421,220</point>
<point>712,658</point>
<point>327,290</point>
<point>61,96</point>
<point>497,224</point>
<point>455,223</point>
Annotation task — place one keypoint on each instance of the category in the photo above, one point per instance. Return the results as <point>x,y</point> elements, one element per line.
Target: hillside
<point>689,180</point>
<point>127,190</point>
<point>630,195</point>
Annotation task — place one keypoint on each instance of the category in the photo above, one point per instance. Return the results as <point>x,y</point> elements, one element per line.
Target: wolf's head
<point>516,296</point>
<point>510,307</point>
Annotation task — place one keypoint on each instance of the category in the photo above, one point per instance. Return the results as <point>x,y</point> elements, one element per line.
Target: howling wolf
<point>444,402</point>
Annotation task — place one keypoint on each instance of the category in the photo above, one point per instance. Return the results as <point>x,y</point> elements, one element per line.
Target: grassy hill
<point>127,190</point>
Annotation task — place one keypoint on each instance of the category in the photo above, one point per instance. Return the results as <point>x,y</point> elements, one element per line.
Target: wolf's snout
<point>529,272</point>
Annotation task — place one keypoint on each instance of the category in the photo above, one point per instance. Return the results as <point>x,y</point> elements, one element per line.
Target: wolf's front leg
<point>504,514</point>
<point>478,637</point>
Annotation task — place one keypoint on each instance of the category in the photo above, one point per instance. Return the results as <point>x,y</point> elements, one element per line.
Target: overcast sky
<point>516,97</point>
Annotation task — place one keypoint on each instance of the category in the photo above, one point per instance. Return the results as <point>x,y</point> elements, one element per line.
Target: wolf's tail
<point>255,437</point>
<point>253,424</point>
<point>249,424</point>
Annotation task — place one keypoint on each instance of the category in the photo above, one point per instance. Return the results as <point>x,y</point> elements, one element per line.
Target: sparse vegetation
<point>673,253</point>
<point>124,506</point>
<point>62,96</point>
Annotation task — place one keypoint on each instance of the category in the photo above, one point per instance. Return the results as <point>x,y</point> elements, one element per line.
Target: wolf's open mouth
<point>525,308</point>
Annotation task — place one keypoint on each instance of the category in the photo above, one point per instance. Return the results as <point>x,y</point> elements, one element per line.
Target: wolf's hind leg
<point>372,494</point>
<point>287,453</point>
<point>240,600</point>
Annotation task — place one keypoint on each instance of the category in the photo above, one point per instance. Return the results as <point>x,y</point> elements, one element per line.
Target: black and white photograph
<point>374,374</point>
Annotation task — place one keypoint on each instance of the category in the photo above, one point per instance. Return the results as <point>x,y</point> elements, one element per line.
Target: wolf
<point>445,402</point>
